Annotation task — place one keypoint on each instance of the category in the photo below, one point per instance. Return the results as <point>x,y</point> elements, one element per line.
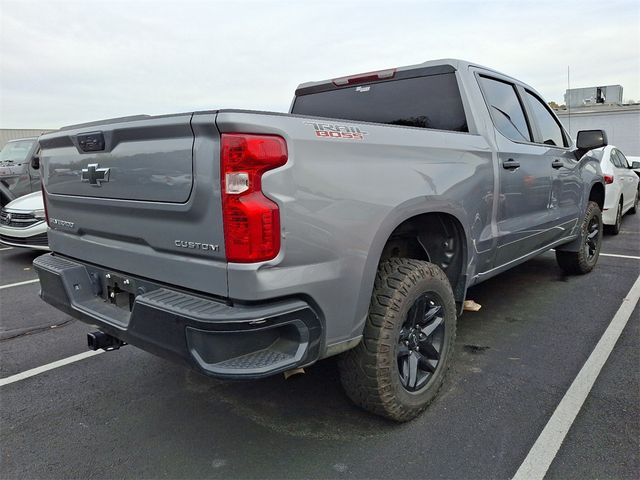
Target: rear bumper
<point>220,340</point>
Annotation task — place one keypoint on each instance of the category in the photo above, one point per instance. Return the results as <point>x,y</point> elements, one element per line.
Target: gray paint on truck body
<point>138,236</point>
<point>146,162</point>
<point>339,202</point>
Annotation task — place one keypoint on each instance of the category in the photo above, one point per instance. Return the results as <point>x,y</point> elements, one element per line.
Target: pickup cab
<point>19,173</point>
<point>245,244</point>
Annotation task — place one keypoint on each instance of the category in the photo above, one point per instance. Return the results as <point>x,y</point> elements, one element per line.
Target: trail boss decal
<point>332,130</point>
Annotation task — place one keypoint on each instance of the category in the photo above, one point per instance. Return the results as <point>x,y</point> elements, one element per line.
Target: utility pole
<point>569,98</point>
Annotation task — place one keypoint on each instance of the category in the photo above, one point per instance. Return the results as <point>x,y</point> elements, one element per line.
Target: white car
<point>635,163</point>
<point>22,223</point>
<point>621,187</point>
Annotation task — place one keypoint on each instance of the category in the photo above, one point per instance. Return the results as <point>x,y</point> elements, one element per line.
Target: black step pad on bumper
<point>219,339</point>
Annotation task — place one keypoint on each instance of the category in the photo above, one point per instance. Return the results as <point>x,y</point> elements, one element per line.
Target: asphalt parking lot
<point>128,414</point>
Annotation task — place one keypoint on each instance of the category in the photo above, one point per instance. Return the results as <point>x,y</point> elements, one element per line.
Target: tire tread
<point>365,370</point>
<point>575,263</point>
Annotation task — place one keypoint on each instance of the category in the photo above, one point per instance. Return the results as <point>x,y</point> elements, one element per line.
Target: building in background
<point>622,124</point>
<point>589,96</point>
<point>601,108</point>
<point>7,134</point>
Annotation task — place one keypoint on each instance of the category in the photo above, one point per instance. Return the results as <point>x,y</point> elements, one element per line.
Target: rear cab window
<point>506,110</point>
<point>427,101</point>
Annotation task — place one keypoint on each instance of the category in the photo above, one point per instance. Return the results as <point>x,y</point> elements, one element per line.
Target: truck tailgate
<point>139,196</point>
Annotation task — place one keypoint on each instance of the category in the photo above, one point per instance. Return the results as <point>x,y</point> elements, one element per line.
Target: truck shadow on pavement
<point>313,405</point>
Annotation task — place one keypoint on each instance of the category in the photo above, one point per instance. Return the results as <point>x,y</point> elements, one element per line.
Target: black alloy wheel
<point>593,239</point>
<point>399,366</point>
<point>420,342</point>
<point>584,258</point>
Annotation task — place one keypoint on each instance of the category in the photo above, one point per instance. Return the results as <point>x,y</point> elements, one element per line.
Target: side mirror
<point>590,139</point>
<point>635,165</point>
<point>35,162</point>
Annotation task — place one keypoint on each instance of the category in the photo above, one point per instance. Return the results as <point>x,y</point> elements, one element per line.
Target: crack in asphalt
<point>17,333</point>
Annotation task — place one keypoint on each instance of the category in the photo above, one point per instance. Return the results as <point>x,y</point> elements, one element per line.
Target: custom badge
<point>332,130</point>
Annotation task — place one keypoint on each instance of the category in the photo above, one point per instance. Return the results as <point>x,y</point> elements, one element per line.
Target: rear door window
<point>549,128</point>
<point>426,102</point>
<point>623,160</point>
<point>615,159</point>
<point>506,110</point>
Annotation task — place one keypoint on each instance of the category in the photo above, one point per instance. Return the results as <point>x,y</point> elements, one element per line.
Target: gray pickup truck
<point>246,243</point>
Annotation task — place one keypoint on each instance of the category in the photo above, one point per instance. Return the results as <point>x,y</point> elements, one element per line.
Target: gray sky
<point>64,62</point>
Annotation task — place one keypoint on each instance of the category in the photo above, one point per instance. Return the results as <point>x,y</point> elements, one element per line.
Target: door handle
<point>557,163</point>
<point>510,164</point>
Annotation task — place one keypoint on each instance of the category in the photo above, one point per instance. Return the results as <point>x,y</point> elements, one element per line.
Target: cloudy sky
<point>64,62</point>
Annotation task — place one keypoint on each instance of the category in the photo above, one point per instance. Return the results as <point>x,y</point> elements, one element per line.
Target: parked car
<point>621,187</point>
<point>19,169</point>
<point>635,163</point>
<point>353,225</point>
<point>22,223</point>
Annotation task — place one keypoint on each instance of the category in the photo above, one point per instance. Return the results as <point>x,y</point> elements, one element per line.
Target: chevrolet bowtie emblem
<point>95,175</point>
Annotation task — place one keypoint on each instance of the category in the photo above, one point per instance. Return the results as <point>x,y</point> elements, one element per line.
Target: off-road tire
<point>369,372</point>
<point>579,263</point>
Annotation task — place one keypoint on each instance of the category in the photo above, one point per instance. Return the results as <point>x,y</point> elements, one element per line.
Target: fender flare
<point>405,211</point>
<point>574,245</point>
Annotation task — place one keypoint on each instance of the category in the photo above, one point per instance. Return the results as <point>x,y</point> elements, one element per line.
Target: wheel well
<point>437,238</point>
<point>597,195</point>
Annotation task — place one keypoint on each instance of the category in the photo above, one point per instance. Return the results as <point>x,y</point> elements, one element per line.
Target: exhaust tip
<point>293,372</point>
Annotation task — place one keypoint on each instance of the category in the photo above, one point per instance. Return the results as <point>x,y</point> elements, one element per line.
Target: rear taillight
<point>44,202</point>
<point>251,220</point>
<point>608,179</point>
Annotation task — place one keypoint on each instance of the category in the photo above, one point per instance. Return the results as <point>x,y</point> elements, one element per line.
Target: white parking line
<point>26,282</point>
<point>50,366</point>
<point>6,248</point>
<point>619,256</point>
<point>543,452</point>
